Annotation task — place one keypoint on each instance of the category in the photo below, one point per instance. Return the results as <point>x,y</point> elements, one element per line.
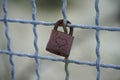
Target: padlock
<point>60,43</point>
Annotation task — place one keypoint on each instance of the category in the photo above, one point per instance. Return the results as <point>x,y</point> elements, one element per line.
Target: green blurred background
<point>78,12</point>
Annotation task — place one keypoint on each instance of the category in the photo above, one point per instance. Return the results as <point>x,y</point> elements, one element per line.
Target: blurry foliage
<point>45,4</point>
<point>51,4</point>
<point>118,15</point>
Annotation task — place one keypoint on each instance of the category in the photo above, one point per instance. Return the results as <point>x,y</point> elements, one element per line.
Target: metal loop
<point>61,23</point>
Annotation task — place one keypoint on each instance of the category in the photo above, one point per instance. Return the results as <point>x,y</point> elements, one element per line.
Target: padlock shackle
<point>61,23</point>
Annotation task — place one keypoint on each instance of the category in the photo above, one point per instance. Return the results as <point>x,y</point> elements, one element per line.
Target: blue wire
<point>8,39</point>
<point>35,39</point>
<point>97,40</point>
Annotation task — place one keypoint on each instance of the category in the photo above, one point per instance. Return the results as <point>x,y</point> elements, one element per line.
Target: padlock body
<point>60,43</point>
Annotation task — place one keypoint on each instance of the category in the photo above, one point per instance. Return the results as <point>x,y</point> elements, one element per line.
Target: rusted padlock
<point>60,43</point>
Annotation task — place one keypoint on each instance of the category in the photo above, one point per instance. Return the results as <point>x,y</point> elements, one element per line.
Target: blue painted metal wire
<point>35,39</point>
<point>97,40</point>
<point>112,66</point>
<point>64,11</point>
<point>95,27</point>
<point>64,7</point>
<point>37,57</point>
<point>8,39</point>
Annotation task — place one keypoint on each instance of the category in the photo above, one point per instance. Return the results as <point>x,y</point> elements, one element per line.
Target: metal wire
<point>97,40</point>
<point>8,39</point>
<point>35,39</point>
<point>37,57</point>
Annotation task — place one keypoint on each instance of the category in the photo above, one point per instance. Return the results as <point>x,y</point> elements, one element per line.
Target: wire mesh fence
<point>38,57</point>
